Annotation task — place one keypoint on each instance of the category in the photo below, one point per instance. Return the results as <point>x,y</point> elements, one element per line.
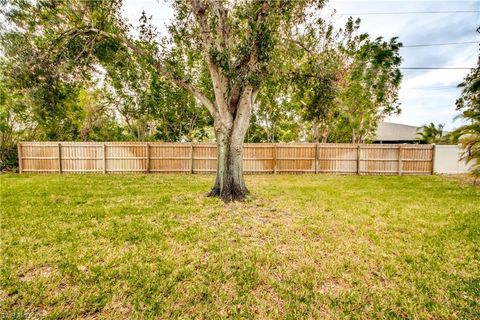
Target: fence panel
<point>170,157</point>
<point>204,158</point>
<point>81,158</point>
<point>337,158</point>
<point>259,158</point>
<point>379,159</point>
<point>418,159</point>
<point>39,157</point>
<point>295,158</point>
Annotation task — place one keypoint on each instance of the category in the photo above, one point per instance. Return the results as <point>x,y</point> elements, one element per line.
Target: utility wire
<point>385,13</point>
<point>438,44</point>
<point>406,12</point>
<point>431,88</point>
<point>436,68</point>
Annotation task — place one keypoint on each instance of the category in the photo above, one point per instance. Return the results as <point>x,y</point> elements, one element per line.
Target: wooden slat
<point>191,158</point>
<point>358,159</point>
<point>104,158</point>
<point>400,160</point>
<point>275,159</point>
<point>59,158</point>
<point>20,157</point>
<point>148,157</point>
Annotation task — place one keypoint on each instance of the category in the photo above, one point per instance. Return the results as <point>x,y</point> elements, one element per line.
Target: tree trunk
<point>325,136</point>
<point>229,181</point>
<point>315,126</point>
<point>354,136</point>
<point>325,132</point>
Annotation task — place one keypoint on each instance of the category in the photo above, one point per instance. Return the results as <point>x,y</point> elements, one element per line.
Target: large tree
<point>236,41</point>
<point>370,89</point>
<point>341,81</point>
<point>318,73</point>
<point>218,51</point>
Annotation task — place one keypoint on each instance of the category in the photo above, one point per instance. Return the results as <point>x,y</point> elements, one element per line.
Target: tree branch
<point>301,45</point>
<point>252,57</point>
<point>242,118</point>
<point>157,65</point>
<point>219,81</point>
<point>250,60</point>
<point>222,25</point>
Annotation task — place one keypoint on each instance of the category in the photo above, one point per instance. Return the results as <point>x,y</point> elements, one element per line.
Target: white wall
<point>447,160</point>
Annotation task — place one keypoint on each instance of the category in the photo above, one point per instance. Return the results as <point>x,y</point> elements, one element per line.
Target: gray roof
<point>388,131</point>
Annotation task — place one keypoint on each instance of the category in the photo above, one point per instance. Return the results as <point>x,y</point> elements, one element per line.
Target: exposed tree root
<point>215,192</point>
<point>231,192</point>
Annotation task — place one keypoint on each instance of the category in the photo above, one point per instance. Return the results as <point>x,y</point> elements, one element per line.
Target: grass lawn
<point>326,247</point>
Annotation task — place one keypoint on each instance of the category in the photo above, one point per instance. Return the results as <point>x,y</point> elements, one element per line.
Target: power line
<point>436,68</point>
<point>431,88</point>
<point>384,13</point>
<point>438,44</point>
<point>406,12</point>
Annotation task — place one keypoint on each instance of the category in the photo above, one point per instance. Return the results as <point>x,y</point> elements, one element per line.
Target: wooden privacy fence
<point>123,157</point>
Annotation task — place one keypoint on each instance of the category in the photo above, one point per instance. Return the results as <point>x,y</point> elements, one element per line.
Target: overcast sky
<point>426,95</point>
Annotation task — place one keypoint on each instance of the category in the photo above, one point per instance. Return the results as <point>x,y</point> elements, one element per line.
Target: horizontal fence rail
<point>259,158</point>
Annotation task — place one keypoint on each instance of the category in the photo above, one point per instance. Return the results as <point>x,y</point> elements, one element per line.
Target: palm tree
<point>469,134</point>
<point>431,133</point>
<point>469,138</point>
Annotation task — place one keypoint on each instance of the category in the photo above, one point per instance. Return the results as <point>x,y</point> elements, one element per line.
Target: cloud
<point>426,95</point>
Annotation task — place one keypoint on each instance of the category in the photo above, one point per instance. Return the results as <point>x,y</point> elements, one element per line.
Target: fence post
<point>358,159</point>
<point>20,160</point>
<point>191,158</point>
<point>274,158</point>
<point>148,157</point>
<point>104,158</point>
<point>316,158</point>
<point>400,158</point>
<point>59,157</point>
<point>434,149</point>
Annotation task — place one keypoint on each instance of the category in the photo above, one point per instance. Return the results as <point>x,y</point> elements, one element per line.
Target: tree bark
<point>229,182</point>
<point>315,126</point>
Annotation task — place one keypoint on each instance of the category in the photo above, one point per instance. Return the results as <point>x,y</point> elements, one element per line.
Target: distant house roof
<point>388,131</point>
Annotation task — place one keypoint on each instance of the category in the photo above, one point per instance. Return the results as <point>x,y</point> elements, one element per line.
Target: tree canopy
<point>267,70</point>
<point>469,105</point>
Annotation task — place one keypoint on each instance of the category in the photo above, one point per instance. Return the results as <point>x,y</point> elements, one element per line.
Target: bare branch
<point>301,45</point>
